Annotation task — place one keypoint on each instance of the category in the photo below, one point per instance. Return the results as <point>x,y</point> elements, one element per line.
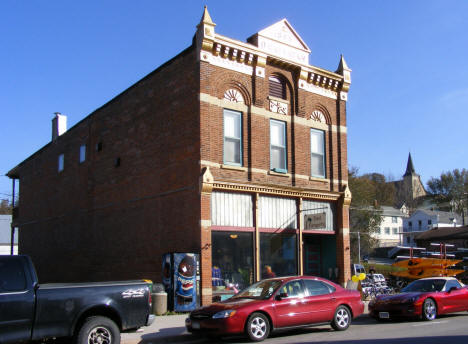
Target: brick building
<point>233,150</point>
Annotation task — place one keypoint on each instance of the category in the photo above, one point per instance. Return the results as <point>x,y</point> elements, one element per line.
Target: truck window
<point>12,276</point>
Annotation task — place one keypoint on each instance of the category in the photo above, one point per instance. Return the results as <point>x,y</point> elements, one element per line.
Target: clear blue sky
<point>409,89</point>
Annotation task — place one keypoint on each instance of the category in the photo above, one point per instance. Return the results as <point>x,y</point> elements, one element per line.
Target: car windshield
<point>261,290</point>
<point>425,286</point>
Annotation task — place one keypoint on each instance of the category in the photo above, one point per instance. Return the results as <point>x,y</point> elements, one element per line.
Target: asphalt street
<point>450,329</point>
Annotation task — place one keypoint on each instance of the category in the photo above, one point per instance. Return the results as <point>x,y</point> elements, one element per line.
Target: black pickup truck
<point>86,312</point>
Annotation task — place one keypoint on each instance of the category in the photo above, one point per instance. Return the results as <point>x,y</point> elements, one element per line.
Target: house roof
<point>444,233</point>
<point>5,230</point>
<point>391,211</point>
<point>442,216</point>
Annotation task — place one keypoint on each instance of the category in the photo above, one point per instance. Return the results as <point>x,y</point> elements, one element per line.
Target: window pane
<point>293,289</point>
<point>232,151</point>
<point>277,134</point>
<point>231,124</point>
<point>317,150</point>
<point>316,142</point>
<point>317,287</point>
<point>82,153</point>
<point>12,276</point>
<point>61,159</point>
<point>232,259</point>
<point>278,158</point>
<point>232,137</point>
<point>278,255</point>
<point>317,165</point>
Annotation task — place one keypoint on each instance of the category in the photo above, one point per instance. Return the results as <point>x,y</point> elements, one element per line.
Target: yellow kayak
<point>427,272</point>
<point>425,262</point>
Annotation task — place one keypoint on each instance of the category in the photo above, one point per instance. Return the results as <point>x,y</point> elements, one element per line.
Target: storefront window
<point>232,259</point>
<point>278,255</point>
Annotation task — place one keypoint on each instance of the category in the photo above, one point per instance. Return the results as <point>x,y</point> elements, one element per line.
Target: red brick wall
<point>256,129</point>
<point>99,221</point>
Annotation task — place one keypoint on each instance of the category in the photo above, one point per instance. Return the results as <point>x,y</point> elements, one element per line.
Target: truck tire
<point>98,329</point>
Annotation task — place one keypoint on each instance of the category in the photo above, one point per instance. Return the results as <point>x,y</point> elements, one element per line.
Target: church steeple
<point>409,167</point>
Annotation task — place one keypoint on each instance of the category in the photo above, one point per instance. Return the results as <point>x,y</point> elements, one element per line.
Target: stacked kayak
<point>417,267</point>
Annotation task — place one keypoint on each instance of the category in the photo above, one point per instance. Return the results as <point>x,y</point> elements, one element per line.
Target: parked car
<point>424,298</point>
<point>278,303</point>
<point>88,312</point>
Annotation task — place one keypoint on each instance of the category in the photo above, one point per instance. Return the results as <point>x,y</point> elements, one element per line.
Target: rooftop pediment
<point>281,40</point>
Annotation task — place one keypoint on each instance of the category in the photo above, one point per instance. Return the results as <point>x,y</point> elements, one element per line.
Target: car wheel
<point>429,310</point>
<point>98,330</point>
<point>258,327</point>
<point>341,319</point>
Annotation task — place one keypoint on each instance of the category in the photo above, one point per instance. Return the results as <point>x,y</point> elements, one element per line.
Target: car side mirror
<point>281,296</point>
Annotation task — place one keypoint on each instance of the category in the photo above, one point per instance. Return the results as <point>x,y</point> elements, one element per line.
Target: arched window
<point>277,87</point>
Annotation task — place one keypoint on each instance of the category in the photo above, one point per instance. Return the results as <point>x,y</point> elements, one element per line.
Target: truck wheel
<point>100,330</point>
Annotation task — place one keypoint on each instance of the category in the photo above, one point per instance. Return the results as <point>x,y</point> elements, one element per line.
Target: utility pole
<point>359,245</point>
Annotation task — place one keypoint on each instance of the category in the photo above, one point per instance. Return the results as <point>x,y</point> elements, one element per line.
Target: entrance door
<point>312,257</point>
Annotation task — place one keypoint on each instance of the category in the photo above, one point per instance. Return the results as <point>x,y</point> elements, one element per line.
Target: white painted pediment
<point>283,32</point>
<point>280,39</point>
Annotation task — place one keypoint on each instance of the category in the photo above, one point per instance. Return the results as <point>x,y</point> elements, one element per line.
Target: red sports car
<point>424,298</point>
<point>278,303</point>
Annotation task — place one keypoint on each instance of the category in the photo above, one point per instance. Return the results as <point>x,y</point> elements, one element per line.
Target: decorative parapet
<point>279,44</point>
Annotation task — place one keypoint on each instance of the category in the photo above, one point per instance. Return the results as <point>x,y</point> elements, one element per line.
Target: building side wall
<point>135,197</point>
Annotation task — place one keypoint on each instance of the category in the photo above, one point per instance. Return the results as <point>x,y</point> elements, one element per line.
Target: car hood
<point>224,305</point>
<point>397,298</point>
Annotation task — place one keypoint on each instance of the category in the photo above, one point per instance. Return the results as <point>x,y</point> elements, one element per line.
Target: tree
<point>450,191</point>
<point>5,207</point>
<point>365,214</point>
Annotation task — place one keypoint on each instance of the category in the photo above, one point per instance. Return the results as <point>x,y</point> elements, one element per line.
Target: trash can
<point>159,303</point>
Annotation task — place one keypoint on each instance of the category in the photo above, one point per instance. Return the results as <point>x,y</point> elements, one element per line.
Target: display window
<point>278,255</point>
<point>232,263</point>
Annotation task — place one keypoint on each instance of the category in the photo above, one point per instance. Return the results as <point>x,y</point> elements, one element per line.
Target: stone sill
<point>234,167</point>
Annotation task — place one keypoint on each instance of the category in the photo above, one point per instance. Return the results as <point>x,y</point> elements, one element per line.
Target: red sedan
<point>278,303</point>
<point>425,298</point>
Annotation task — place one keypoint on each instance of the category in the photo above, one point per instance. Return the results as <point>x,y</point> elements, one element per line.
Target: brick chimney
<point>59,125</point>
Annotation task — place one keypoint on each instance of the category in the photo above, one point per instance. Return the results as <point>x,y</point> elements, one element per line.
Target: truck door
<point>16,301</point>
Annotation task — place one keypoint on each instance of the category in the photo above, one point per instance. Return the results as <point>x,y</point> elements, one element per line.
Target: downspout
<point>12,243</point>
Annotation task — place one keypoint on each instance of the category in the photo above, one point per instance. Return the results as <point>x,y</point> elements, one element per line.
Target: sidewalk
<point>165,329</point>
<point>169,329</point>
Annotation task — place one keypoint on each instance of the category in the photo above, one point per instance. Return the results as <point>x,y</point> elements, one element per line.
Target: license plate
<point>384,315</point>
<point>195,325</point>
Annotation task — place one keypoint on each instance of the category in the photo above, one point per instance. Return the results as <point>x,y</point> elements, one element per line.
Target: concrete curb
<point>171,329</point>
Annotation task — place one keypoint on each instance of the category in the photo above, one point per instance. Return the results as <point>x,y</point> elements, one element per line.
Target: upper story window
<point>82,153</point>
<point>278,146</point>
<point>394,219</point>
<point>429,222</point>
<point>61,161</point>
<point>387,230</point>
<point>277,87</point>
<point>232,137</point>
<point>317,153</point>
<point>419,224</point>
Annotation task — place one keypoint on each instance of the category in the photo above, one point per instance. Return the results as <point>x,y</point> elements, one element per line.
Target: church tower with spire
<point>410,188</point>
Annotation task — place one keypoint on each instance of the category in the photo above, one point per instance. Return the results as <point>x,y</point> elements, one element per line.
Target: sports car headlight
<point>224,314</point>
<point>412,299</point>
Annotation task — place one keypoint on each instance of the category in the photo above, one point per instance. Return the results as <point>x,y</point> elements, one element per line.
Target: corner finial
<point>206,18</point>
<point>344,70</point>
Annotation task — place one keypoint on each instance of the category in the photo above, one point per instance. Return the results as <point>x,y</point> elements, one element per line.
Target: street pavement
<point>451,329</point>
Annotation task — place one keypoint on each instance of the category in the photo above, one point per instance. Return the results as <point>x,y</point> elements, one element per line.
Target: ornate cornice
<point>277,190</point>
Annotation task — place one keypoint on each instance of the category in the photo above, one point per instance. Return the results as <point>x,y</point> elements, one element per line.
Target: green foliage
<point>450,191</point>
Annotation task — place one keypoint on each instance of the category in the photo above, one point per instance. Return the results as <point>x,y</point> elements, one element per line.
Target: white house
<point>422,220</point>
<point>391,227</point>
<point>5,236</point>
